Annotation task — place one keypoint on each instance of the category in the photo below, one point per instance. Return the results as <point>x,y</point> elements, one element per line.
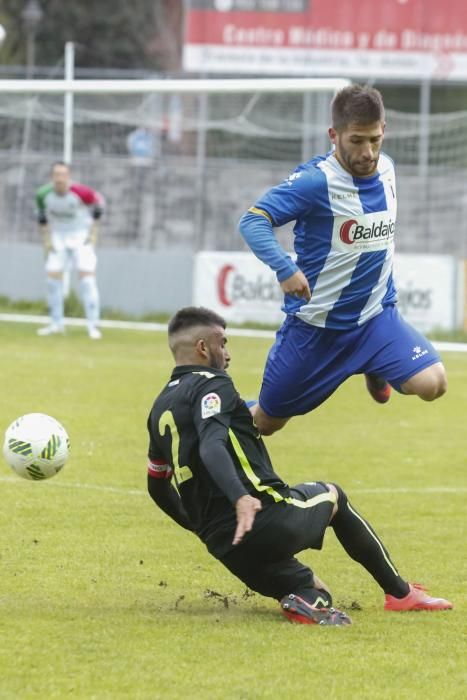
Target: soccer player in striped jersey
<point>340,298</point>
<point>68,215</point>
<point>203,439</point>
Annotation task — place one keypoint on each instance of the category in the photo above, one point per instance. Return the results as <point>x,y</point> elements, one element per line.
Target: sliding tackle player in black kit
<point>202,434</point>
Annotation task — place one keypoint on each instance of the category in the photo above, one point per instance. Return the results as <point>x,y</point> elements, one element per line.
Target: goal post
<point>70,87</point>
<point>172,86</point>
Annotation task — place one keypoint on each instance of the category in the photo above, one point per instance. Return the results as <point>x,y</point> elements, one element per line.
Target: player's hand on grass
<point>297,285</point>
<point>246,507</point>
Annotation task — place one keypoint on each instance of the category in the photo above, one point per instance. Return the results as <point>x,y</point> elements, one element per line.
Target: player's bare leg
<point>90,298</point>
<point>55,304</point>
<point>318,583</point>
<point>429,384</point>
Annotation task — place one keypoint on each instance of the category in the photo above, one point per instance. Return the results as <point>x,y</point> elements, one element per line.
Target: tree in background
<point>141,34</point>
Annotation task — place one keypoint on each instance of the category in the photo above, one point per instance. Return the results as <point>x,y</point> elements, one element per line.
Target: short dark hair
<point>357,104</point>
<point>191,316</point>
<point>61,163</point>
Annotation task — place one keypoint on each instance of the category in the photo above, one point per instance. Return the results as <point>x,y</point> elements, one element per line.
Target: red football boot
<point>416,599</point>
<point>378,387</point>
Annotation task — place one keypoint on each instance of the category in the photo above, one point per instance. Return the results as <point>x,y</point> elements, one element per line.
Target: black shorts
<point>265,561</point>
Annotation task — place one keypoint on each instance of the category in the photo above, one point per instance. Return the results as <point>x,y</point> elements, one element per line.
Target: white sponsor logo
<point>346,195</point>
<point>210,405</point>
<point>418,352</point>
<point>292,177</point>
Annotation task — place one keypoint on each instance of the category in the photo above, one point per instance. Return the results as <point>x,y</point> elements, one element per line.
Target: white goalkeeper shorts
<point>82,258</point>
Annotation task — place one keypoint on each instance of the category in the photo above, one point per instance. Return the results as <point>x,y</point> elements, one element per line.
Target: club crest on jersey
<point>210,405</point>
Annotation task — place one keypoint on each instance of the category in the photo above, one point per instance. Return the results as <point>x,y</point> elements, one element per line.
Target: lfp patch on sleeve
<point>210,405</point>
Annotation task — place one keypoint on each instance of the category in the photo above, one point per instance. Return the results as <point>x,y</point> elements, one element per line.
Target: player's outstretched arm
<point>93,232</point>
<point>257,231</point>
<point>97,212</point>
<point>46,238</point>
<point>166,497</point>
<point>219,464</point>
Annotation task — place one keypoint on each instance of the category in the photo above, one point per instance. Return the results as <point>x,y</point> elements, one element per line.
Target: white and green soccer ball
<point>36,446</point>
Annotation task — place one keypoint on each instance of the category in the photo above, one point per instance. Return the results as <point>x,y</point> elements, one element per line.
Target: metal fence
<point>208,159</point>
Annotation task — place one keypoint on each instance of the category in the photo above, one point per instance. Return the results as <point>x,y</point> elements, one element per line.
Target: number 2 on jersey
<point>167,421</point>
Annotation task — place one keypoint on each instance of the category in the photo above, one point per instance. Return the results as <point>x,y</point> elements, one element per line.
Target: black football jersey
<point>197,406</point>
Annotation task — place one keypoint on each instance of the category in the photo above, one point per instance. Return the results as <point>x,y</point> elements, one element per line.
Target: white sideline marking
<point>142,492</point>
<point>442,346</point>
<point>70,485</point>
<point>408,489</point>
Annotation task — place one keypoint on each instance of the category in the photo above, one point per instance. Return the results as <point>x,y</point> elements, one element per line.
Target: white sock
<point>55,300</point>
<point>90,298</point>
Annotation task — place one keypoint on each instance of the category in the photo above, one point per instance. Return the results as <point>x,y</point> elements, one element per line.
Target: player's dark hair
<point>357,104</point>
<point>192,316</point>
<point>61,163</point>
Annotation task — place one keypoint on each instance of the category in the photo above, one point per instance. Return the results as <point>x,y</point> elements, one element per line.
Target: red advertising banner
<point>411,39</point>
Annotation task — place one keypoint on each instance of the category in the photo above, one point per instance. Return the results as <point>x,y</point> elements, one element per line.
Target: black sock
<point>362,544</point>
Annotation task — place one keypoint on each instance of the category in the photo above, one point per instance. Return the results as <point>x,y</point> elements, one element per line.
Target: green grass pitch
<point>102,596</point>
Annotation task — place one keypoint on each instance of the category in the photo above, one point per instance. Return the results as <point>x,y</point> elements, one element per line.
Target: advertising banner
<point>427,290</point>
<point>240,288</point>
<point>410,39</point>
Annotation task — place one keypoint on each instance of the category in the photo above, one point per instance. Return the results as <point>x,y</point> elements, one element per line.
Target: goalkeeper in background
<point>68,216</point>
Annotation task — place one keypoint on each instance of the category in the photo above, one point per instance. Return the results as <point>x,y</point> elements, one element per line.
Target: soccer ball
<point>36,446</point>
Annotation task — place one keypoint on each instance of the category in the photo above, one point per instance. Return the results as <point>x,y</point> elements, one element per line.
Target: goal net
<point>178,166</point>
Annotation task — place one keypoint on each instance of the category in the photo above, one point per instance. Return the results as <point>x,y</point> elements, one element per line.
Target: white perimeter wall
<point>133,281</point>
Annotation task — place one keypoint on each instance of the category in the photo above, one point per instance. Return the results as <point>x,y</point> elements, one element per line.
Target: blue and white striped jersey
<point>343,239</point>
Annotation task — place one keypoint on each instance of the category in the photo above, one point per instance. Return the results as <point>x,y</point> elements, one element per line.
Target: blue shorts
<point>307,364</point>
